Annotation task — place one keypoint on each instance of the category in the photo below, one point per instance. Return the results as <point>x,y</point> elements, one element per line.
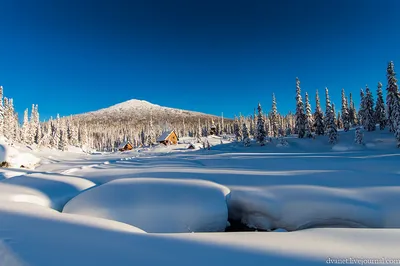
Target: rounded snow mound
<point>157,205</point>
<point>59,189</point>
<point>16,193</point>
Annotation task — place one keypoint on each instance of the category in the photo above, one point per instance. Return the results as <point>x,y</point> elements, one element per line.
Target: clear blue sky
<point>212,56</point>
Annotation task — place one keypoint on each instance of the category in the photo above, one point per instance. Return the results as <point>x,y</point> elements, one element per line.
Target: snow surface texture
<point>157,205</point>
<point>308,184</point>
<point>58,188</point>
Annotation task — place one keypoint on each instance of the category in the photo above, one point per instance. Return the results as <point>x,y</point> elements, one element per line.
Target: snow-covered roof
<point>164,135</point>
<point>123,144</point>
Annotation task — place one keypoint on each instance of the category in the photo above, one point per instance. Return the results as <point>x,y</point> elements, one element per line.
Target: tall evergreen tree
<point>236,129</point>
<point>392,96</point>
<point>309,118</point>
<point>352,112</point>
<point>318,117</point>
<point>261,134</point>
<point>345,113</point>
<point>369,114</point>
<point>330,120</point>
<point>300,117</point>
<point>25,128</point>
<point>245,134</point>
<point>274,118</point>
<point>339,121</point>
<point>380,111</point>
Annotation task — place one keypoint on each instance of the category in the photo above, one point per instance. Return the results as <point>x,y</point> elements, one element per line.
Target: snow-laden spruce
<point>380,110</point>
<point>261,133</point>
<point>368,112</point>
<point>274,120</point>
<point>246,135</point>
<point>309,119</point>
<point>300,116</point>
<point>318,117</point>
<point>392,95</point>
<point>236,129</point>
<point>352,112</point>
<point>330,120</point>
<point>345,112</point>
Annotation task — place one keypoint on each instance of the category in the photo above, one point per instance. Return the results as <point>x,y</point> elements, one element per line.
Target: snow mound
<point>15,193</point>
<point>299,207</point>
<point>157,205</point>
<point>17,159</point>
<point>58,188</point>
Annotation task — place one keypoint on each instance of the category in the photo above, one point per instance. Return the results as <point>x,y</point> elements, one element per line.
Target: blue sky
<point>71,56</point>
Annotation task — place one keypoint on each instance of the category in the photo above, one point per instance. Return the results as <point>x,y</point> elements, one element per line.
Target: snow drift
<point>157,205</point>
<point>58,189</point>
<point>298,207</point>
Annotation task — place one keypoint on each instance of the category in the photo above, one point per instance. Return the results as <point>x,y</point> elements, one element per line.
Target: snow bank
<point>157,205</point>
<point>17,159</point>
<point>58,188</point>
<point>66,239</point>
<point>15,193</point>
<point>299,207</point>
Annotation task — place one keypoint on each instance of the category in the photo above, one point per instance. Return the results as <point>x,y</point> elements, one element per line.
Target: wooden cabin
<point>125,146</point>
<point>168,138</point>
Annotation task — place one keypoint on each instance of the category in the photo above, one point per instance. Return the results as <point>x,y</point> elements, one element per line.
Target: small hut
<point>168,138</point>
<point>125,146</point>
<point>191,146</point>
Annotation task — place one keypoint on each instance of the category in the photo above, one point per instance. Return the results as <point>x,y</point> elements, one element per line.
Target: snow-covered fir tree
<point>345,113</point>
<point>300,117</point>
<point>380,111</point>
<point>56,133</point>
<point>334,113</point>
<point>274,120</point>
<point>261,134</point>
<point>352,112</point>
<point>330,120</point>
<point>359,136</point>
<point>309,118</point>
<point>63,142</point>
<point>318,117</point>
<point>368,112</point>
<point>392,95</point>
<point>236,129</point>
<point>25,134</point>
<point>339,121</point>
<point>246,135</point>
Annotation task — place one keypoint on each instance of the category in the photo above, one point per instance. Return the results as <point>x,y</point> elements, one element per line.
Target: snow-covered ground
<point>126,208</point>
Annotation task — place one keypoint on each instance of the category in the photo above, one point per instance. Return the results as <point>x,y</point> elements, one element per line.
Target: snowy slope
<point>140,110</point>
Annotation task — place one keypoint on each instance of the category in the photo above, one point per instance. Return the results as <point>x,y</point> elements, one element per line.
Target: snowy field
<point>307,203</point>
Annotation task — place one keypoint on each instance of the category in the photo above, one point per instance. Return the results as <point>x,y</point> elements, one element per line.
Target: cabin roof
<point>123,144</point>
<point>165,135</point>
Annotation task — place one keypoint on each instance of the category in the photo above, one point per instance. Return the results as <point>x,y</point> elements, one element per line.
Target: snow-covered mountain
<point>140,111</point>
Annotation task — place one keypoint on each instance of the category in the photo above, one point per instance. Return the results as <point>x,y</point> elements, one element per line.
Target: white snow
<point>308,184</point>
<point>58,188</point>
<point>16,158</point>
<point>157,205</point>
